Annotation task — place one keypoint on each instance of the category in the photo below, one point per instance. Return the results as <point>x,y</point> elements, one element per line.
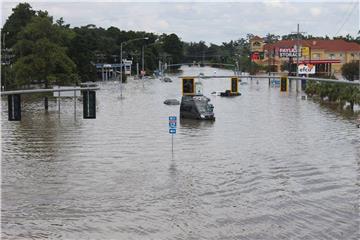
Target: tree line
<point>51,52</point>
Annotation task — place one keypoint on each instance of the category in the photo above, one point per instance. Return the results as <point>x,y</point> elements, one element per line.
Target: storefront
<point>322,67</point>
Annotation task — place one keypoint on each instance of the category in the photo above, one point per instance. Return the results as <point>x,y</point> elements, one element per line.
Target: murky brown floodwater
<point>269,167</point>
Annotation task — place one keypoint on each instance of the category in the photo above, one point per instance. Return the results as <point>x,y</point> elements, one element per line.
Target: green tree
<point>82,51</point>
<point>173,46</point>
<point>42,53</point>
<point>21,16</point>
<point>272,38</point>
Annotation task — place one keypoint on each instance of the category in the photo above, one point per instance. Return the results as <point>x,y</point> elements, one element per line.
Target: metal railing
<point>4,93</point>
<point>356,82</point>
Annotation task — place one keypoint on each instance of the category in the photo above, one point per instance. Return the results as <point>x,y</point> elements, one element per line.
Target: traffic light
<point>188,86</point>
<point>283,84</point>
<point>234,84</point>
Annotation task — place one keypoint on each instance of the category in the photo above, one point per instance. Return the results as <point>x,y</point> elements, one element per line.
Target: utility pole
<point>297,50</point>
<point>269,63</point>
<point>297,53</point>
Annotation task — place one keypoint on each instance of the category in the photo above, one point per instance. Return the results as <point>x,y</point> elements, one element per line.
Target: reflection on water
<point>271,166</point>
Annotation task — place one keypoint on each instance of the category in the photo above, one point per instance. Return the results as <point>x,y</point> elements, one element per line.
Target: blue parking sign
<point>172,124</point>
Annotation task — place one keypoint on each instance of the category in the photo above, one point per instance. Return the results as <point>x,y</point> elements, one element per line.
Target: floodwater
<point>272,166</point>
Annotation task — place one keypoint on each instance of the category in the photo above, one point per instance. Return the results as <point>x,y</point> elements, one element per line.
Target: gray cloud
<point>209,21</point>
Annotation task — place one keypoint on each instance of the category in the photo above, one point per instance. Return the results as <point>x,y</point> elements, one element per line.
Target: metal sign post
<point>172,131</point>
<point>74,105</point>
<point>59,101</point>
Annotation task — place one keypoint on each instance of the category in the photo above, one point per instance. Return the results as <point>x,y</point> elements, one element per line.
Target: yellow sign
<point>305,51</point>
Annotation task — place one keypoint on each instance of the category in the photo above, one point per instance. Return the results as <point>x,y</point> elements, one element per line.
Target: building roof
<point>328,45</point>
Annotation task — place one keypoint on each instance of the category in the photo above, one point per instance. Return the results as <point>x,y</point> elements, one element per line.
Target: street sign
<point>172,124</point>
<point>172,130</point>
<point>67,93</point>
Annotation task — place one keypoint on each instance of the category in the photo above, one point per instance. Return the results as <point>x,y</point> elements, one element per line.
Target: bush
<point>334,92</point>
<point>350,71</point>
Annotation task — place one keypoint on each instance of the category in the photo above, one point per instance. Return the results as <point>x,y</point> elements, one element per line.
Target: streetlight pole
<point>142,58</point>
<point>142,65</point>
<point>121,59</point>
<point>3,51</point>
<point>121,66</point>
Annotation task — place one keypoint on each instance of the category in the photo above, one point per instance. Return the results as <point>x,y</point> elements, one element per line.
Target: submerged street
<point>270,167</point>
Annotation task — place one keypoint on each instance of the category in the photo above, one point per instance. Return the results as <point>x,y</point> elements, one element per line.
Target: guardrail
<point>356,82</point>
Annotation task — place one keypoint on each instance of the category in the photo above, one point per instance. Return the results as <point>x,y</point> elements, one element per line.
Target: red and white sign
<point>306,69</point>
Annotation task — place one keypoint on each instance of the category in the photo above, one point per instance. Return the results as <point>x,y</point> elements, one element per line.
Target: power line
<point>346,19</point>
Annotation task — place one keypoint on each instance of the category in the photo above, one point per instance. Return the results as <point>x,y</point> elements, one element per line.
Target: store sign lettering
<point>288,52</point>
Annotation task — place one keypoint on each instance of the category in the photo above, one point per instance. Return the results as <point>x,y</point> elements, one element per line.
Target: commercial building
<point>328,56</point>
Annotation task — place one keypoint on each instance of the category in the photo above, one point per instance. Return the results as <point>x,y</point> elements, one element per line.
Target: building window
<point>256,44</point>
<point>331,56</point>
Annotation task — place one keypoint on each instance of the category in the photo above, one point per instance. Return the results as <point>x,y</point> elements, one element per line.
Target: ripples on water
<point>269,167</point>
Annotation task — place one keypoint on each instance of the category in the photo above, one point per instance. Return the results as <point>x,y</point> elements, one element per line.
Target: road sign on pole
<point>172,124</point>
<point>172,131</point>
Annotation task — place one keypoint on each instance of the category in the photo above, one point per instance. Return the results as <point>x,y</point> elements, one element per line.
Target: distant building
<point>107,71</point>
<point>328,56</point>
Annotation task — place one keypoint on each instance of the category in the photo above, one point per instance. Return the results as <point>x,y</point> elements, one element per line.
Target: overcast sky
<point>211,21</point>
